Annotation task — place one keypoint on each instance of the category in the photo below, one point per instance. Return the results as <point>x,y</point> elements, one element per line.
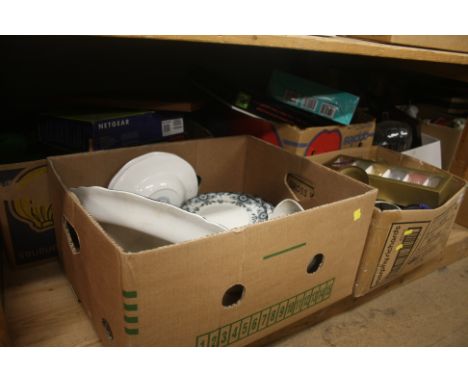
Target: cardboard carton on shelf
<point>26,213</point>
<point>402,240</point>
<point>298,131</point>
<point>459,167</point>
<point>306,141</point>
<point>230,288</point>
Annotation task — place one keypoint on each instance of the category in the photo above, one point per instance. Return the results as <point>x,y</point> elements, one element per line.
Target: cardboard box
<point>282,270</point>
<point>400,241</point>
<point>26,212</point>
<point>85,132</point>
<point>428,152</point>
<point>303,141</point>
<point>453,43</point>
<point>316,140</point>
<point>335,105</point>
<point>459,167</point>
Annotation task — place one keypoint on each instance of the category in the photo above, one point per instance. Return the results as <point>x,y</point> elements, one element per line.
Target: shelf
<point>42,309</point>
<point>331,44</point>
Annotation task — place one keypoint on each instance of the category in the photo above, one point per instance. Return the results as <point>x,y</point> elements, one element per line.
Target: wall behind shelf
<point>40,72</point>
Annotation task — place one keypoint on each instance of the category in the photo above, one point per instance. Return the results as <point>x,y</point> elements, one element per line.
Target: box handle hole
<point>72,237</point>
<point>107,329</point>
<point>315,263</point>
<point>233,295</point>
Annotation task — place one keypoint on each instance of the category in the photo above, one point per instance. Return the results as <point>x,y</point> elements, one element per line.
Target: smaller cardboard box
<point>231,288</point>
<point>306,141</point>
<point>316,140</point>
<point>26,212</point>
<point>402,240</point>
<point>98,131</point>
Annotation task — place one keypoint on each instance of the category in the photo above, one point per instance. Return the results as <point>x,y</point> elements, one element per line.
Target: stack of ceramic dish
<point>157,194</point>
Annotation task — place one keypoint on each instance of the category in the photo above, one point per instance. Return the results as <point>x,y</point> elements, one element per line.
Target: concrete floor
<point>431,311</point>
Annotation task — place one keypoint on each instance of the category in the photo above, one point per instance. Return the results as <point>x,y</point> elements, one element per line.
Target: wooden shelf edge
<point>326,44</point>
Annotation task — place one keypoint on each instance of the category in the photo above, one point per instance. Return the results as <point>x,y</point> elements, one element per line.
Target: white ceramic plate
<point>138,213</point>
<point>229,209</point>
<point>159,176</point>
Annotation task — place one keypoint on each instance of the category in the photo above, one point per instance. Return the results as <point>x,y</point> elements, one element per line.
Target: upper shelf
<point>332,44</point>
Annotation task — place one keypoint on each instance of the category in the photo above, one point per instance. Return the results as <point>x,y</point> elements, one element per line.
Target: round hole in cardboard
<point>72,236</point>
<point>233,295</point>
<point>315,263</point>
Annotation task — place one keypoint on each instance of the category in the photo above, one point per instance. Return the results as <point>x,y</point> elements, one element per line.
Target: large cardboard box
<point>26,212</point>
<point>400,241</point>
<point>282,270</point>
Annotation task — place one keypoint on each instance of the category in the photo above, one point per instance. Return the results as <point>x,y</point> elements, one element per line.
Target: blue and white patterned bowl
<point>230,209</point>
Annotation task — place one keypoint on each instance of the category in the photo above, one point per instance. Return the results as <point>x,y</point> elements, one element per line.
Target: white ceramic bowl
<point>160,176</point>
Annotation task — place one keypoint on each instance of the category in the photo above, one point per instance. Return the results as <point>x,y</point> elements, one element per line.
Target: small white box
<point>428,152</point>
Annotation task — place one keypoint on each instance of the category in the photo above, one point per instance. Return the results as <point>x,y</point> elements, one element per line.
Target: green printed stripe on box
<point>131,320</point>
<point>129,293</point>
<point>132,332</point>
<point>264,318</point>
<point>283,251</point>
<point>130,307</point>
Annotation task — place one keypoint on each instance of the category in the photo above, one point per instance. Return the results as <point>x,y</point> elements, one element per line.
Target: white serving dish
<point>158,219</point>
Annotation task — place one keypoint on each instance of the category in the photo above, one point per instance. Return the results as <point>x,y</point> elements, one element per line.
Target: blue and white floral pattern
<point>258,209</point>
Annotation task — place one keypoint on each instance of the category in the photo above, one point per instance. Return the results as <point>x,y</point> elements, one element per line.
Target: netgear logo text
<point>113,123</point>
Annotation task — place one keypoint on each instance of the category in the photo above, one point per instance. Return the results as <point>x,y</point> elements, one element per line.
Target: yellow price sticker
<point>399,246</point>
<point>408,232</point>
<point>357,214</point>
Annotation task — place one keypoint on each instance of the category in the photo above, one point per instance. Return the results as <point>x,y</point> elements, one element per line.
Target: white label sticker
<point>172,127</point>
<point>328,110</point>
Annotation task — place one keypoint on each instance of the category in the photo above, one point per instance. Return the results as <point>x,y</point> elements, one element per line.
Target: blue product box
<point>307,95</point>
<point>86,132</point>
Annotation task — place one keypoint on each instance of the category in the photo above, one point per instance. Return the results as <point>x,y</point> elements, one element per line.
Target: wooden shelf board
<point>42,310</point>
<point>328,44</point>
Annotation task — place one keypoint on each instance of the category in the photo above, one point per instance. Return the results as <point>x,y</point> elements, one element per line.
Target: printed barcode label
<point>328,110</point>
<point>310,103</point>
<point>172,126</point>
<point>291,95</point>
<point>260,320</point>
<point>410,237</point>
<point>403,238</point>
